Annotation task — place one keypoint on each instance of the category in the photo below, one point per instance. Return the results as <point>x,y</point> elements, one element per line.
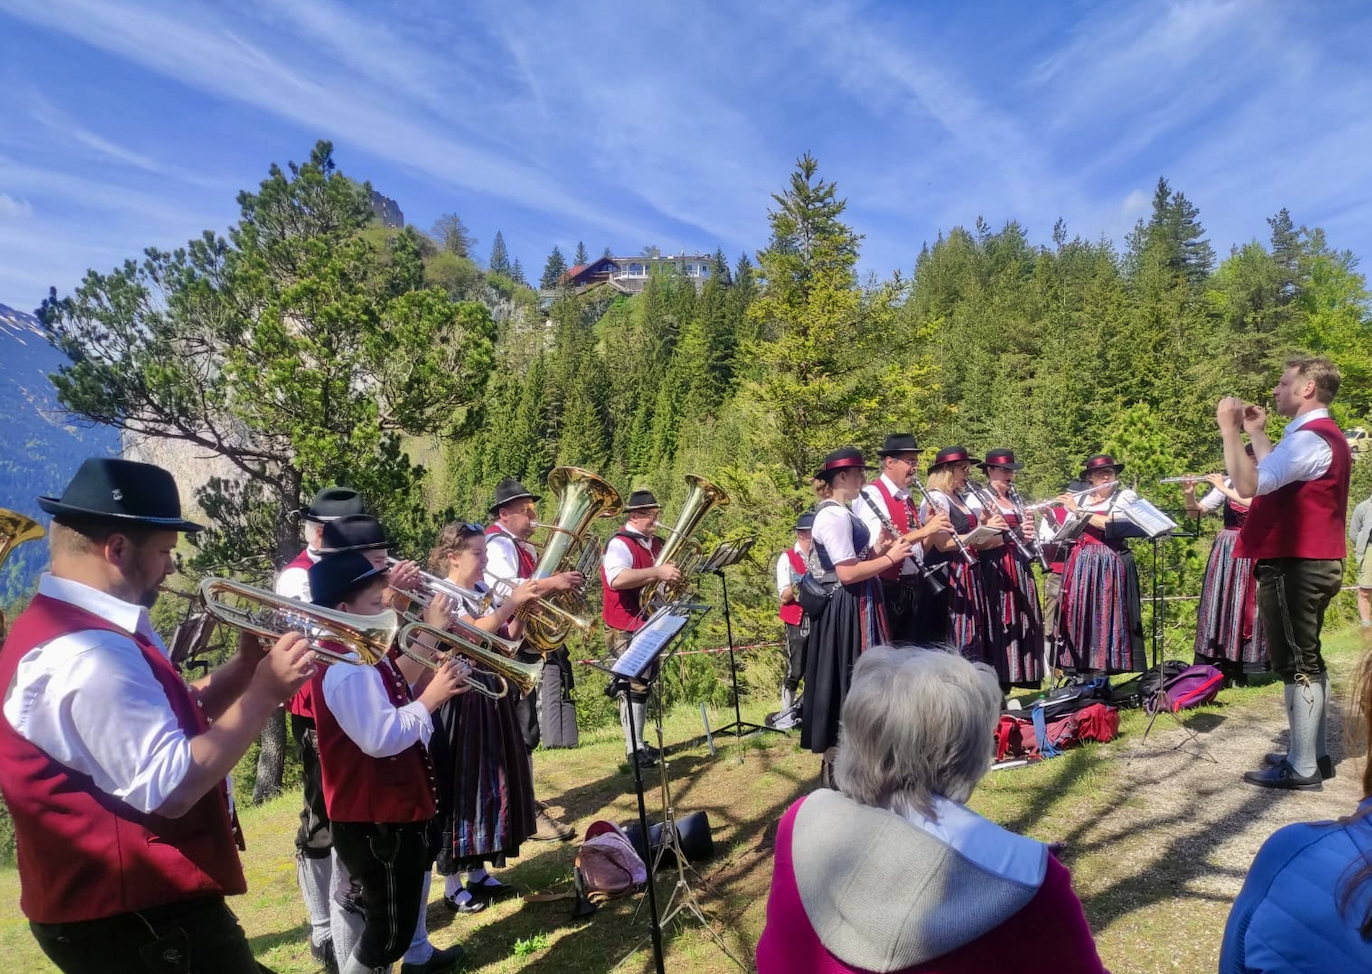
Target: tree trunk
<point>271,758</point>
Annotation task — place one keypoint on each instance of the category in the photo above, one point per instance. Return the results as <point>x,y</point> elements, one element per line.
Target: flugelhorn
<point>261,612</point>
<point>433,647</point>
<point>478,602</point>
<point>15,529</point>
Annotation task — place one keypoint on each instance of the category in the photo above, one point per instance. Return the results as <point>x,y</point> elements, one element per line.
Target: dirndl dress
<point>1014,619</point>
<point>1229,632</point>
<point>956,616</point>
<point>1100,615</point>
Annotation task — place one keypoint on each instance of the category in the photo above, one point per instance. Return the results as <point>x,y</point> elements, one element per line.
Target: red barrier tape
<point>696,652</point>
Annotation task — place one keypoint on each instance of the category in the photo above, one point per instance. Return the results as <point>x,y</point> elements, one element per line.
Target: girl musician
<point>485,782</point>
<point>1229,633</point>
<point>847,559</point>
<point>1100,619</point>
<point>1014,630</point>
<point>957,616</point>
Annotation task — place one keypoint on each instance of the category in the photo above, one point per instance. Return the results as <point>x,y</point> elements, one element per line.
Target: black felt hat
<point>334,502</point>
<point>898,443</point>
<point>115,491</point>
<point>1101,461</point>
<point>845,458</point>
<point>1001,458</point>
<point>355,532</point>
<point>508,490</point>
<point>338,574</point>
<point>806,521</point>
<point>953,454</point>
<point>641,500</point>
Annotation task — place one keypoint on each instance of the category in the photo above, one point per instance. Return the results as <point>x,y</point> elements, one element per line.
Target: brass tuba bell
<point>681,548</point>
<point>15,529</point>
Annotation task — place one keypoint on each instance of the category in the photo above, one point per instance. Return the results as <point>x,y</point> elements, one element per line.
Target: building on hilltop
<point>629,275</point>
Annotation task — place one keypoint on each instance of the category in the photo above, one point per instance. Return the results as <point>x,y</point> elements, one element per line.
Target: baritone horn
<point>433,647</point>
<point>263,613</point>
<point>15,529</point>
<point>681,548</point>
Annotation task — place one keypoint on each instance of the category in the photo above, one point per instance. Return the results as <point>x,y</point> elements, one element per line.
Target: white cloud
<point>14,209</point>
<point>1136,204</point>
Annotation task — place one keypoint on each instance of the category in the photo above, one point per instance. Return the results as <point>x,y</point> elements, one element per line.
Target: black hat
<point>1101,461</point>
<point>508,490</point>
<point>1001,458</point>
<point>846,458</point>
<point>641,500</point>
<point>337,575</point>
<point>355,532</point>
<point>121,492</point>
<point>898,443</point>
<point>806,521</point>
<point>953,454</point>
<point>334,502</point>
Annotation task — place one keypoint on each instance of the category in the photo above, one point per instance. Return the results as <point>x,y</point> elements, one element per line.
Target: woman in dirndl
<point>956,616</point>
<point>1229,633</point>
<point>847,560</point>
<point>485,782</point>
<point>1100,617</point>
<point>1014,623</point>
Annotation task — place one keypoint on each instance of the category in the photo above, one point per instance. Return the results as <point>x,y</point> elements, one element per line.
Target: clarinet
<point>967,555</point>
<point>922,569</point>
<point>1037,548</point>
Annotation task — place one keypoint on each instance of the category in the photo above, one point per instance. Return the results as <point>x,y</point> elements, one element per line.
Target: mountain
<point>40,446</point>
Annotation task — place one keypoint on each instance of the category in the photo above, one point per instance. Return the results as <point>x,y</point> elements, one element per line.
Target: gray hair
<point>916,723</point>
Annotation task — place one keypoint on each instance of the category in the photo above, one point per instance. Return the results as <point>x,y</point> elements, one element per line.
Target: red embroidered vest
<point>791,613</point>
<point>527,563</point>
<point>621,609</point>
<point>1304,519</point>
<point>902,515</point>
<point>84,854</point>
<point>301,703</point>
<point>361,788</point>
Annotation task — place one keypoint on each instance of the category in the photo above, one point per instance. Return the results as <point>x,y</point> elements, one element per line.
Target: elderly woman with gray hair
<point>893,872</point>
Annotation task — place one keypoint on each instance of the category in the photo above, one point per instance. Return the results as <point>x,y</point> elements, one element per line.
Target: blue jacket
<point>1286,918</point>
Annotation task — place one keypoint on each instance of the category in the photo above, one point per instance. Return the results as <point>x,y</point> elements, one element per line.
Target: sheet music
<point>1146,517</point>
<point>648,642</point>
<point>980,535</point>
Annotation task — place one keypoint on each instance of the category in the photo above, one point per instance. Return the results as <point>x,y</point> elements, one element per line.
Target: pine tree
<point>517,273</point>
<point>500,257</point>
<point>581,256</point>
<point>453,236</point>
<point>719,266</point>
<point>553,270</point>
<point>1286,252</point>
<point>606,253</point>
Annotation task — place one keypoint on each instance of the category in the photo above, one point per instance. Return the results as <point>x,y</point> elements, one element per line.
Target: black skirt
<point>853,621</point>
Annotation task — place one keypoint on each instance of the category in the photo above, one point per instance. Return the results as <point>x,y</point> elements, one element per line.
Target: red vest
<point>1304,519</point>
<point>527,564</point>
<point>361,788</point>
<point>791,613</point>
<point>84,854</point>
<point>302,702</point>
<point>902,515</point>
<point>621,609</point>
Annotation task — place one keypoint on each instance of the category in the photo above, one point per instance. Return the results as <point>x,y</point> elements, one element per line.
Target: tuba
<point>681,548</point>
<point>15,529</point>
<point>263,613</point>
<point>581,498</point>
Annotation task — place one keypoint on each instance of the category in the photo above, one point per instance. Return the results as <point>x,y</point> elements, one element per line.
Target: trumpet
<point>504,588</point>
<point>261,612</point>
<point>1075,495</point>
<point>432,647</point>
<point>1191,478</point>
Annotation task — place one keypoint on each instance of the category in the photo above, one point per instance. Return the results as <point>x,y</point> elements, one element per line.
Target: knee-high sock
<point>354,966</point>
<point>315,877</point>
<point>638,709</point>
<point>624,718</point>
<point>345,923</point>
<point>1322,731</point>
<point>420,949</point>
<point>1306,715</point>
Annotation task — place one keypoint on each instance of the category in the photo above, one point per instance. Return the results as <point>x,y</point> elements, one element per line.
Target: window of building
<point>635,270</point>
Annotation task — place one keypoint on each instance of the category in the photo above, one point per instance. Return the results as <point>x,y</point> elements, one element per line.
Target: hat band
<point>844,463</point>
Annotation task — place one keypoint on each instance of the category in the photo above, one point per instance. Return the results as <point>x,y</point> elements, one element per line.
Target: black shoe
<point>1284,776</point>
<point>323,955</point>
<point>644,758</point>
<point>441,962</point>
<point>1325,765</point>
<point>474,904</point>
<point>491,893</point>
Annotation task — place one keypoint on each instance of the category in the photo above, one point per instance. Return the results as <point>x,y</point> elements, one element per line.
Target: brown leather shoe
<point>549,828</point>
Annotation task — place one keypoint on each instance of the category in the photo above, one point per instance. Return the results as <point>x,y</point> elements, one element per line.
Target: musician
<point>1014,625</point>
<point>112,767</point>
<point>374,724</point>
<point>511,557</point>
<point>329,504</point>
<point>887,500</point>
<point>1294,531</point>
<point>626,568</point>
<point>848,561</point>
<point>1052,519</point>
<point>1100,617</point>
<point>790,567</point>
<point>1229,634</point>
<point>486,788</point>
<point>957,616</point>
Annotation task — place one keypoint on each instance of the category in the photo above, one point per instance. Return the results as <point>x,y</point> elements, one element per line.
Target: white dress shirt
<point>1301,455</point>
<point>90,701</point>
<point>874,526</point>
<point>502,559</point>
<point>294,583</point>
<point>833,531</point>
<point>618,556</point>
<point>784,571</point>
<point>358,700</point>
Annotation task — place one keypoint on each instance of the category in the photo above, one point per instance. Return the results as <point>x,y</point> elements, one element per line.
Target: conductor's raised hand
<point>1254,418</point>
<point>1229,414</point>
<point>285,667</point>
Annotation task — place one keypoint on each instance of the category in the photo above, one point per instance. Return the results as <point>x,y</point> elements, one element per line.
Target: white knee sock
<point>346,925</point>
<point>1306,716</point>
<point>420,948</point>
<point>315,877</point>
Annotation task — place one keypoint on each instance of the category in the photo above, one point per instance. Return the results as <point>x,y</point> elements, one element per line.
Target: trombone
<point>433,647</point>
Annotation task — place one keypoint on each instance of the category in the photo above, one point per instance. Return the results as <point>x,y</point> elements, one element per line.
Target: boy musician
<point>790,567</point>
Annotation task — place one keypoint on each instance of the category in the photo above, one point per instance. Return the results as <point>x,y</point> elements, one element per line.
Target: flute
<point>1188,478</point>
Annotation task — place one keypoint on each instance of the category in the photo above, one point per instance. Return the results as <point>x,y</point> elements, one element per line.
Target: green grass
<point>1158,839</point>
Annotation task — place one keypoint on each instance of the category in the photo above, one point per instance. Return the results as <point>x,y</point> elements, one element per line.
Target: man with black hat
<point>790,567</point>
<point>628,566</point>
<point>887,501</point>
<point>112,767</point>
<point>328,505</point>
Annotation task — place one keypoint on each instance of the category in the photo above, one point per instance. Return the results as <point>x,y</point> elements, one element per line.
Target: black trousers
<point>313,839</point>
<point>1293,594</point>
<point>526,708</point>
<point>796,639</point>
<point>901,598</point>
<point>389,863</point>
<point>199,936</point>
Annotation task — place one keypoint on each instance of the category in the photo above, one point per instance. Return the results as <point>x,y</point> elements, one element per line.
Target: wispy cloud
<point>14,209</point>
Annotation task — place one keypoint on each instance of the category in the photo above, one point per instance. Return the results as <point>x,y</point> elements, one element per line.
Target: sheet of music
<point>648,642</point>
<point>1147,517</point>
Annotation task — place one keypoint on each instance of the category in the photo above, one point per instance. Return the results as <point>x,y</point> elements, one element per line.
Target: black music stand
<point>668,626</point>
<point>731,553</point>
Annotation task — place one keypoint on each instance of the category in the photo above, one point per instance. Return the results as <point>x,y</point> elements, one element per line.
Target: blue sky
<point>130,123</point>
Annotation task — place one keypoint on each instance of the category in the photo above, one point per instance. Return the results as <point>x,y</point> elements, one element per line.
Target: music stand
<point>726,554</point>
